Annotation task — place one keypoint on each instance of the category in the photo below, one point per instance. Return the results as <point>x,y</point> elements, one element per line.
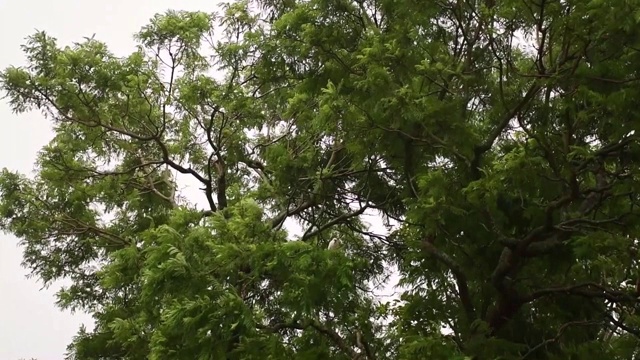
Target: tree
<point>497,140</point>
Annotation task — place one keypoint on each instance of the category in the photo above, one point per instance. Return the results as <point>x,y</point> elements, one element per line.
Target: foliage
<point>497,140</point>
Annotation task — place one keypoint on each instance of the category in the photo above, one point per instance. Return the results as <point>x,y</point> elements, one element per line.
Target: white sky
<point>30,324</point>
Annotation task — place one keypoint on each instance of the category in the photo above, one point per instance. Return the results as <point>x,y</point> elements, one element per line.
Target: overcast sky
<point>30,324</point>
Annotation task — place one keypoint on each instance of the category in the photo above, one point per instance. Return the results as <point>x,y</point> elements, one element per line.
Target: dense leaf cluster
<point>497,141</point>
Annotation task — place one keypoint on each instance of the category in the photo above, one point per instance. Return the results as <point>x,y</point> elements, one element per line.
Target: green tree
<point>499,137</point>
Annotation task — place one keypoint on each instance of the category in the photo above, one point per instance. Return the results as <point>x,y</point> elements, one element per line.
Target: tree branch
<point>316,325</point>
<point>589,290</point>
<point>458,273</point>
<point>561,331</point>
<point>482,148</point>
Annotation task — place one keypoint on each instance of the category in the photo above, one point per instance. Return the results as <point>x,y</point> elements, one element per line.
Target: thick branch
<point>482,148</point>
<point>316,325</point>
<point>511,258</point>
<point>221,169</point>
<point>589,290</point>
<point>561,331</point>
<point>334,221</point>
<point>458,273</point>
<point>207,183</point>
<point>282,216</point>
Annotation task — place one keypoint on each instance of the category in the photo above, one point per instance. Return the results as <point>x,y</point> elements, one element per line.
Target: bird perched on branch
<point>334,244</point>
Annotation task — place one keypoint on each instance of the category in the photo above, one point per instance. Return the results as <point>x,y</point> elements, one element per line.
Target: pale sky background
<point>30,324</point>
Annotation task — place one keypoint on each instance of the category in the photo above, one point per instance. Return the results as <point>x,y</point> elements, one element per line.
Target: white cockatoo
<point>334,244</point>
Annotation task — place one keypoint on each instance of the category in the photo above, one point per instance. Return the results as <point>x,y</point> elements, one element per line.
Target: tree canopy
<point>497,141</point>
